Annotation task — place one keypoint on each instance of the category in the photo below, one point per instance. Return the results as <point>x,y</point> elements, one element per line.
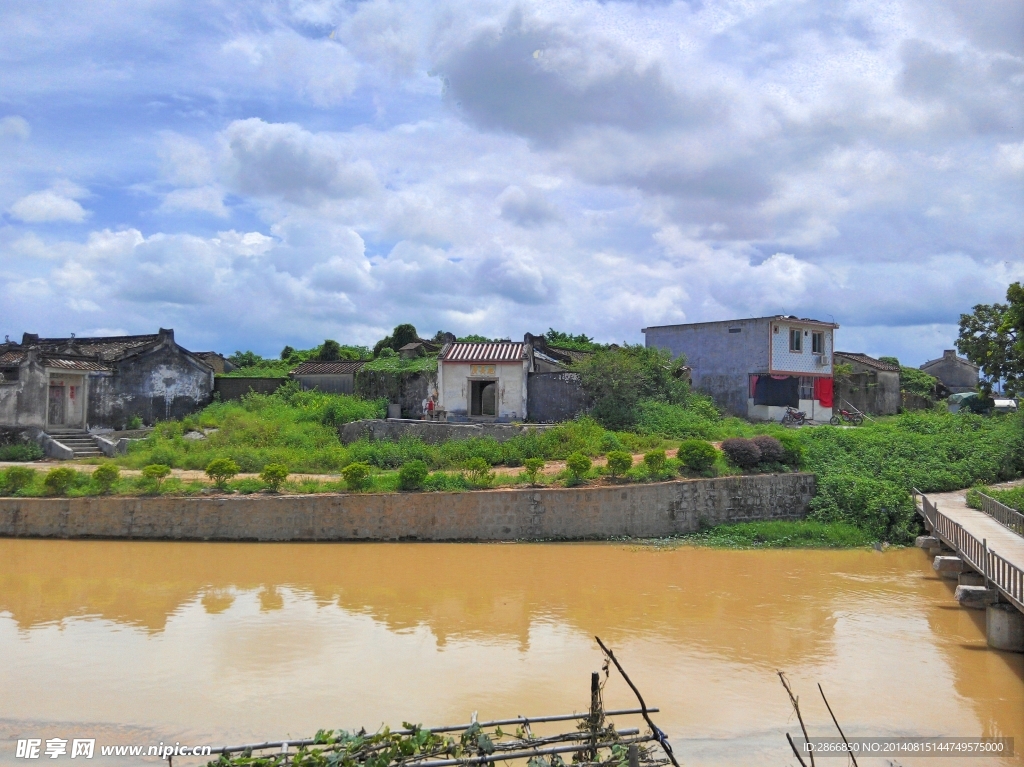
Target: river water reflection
<point>143,642</point>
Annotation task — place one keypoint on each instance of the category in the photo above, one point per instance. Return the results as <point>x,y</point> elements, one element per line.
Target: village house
<point>873,386</point>
<point>955,373</point>
<point>77,384</point>
<point>483,381</point>
<point>758,367</point>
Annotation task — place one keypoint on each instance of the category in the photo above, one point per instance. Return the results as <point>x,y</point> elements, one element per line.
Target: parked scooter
<point>794,417</point>
<point>850,416</point>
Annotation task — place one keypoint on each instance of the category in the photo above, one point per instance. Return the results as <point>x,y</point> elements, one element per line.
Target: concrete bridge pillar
<point>948,567</point>
<point>1004,627</point>
<point>975,597</point>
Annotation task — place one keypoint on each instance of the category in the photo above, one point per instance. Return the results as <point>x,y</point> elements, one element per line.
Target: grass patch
<point>806,534</point>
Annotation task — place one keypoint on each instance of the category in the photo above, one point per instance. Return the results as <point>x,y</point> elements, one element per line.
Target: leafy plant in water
<point>355,476</point>
<point>106,476</point>
<point>274,475</point>
<point>221,470</point>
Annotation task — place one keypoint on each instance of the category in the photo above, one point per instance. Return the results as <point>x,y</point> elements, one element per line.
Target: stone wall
<point>236,388</point>
<point>432,432</point>
<point>405,389</point>
<point>653,510</point>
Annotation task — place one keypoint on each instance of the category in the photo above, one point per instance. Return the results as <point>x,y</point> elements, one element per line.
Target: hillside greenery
<point>252,365</point>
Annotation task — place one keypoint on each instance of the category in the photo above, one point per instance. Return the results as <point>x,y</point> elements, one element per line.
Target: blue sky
<point>267,173</point>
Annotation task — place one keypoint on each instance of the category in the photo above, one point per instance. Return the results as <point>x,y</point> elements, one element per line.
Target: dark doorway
<point>482,398</point>
<point>55,415</point>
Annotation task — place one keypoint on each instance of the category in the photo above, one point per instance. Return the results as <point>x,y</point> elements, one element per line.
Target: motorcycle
<point>850,416</point>
<point>794,417</point>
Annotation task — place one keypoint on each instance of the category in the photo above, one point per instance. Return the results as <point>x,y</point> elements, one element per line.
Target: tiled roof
<point>11,358</point>
<point>871,362</point>
<point>574,354</point>
<point>71,363</point>
<point>339,367</point>
<point>108,348</point>
<point>503,351</point>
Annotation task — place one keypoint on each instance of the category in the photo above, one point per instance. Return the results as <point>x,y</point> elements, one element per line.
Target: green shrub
<point>697,455</point>
<point>533,467</point>
<point>221,470</point>
<point>741,452</point>
<point>274,475</point>
<point>784,534</point>
<point>578,465</point>
<point>17,478</point>
<point>156,472</point>
<point>355,475</point>
<point>655,461</point>
<point>25,451</point>
<point>247,486</point>
<point>772,450</point>
<point>134,422</point>
<point>58,481</point>
<point>619,462</point>
<point>696,418</point>
<point>445,482</point>
<point>479,471</point>
<point>412,475</point>
<point>792,449</point>
<point>106,476</point>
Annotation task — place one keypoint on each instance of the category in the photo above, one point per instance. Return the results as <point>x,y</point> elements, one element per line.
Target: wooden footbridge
<point>986,553</point>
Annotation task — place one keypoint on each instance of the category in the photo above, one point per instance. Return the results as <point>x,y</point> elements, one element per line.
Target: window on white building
<point>806,387</point>
<point>818,343</point>
<point>796,341</point>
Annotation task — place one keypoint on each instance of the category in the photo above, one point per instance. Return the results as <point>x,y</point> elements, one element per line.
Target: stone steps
<point>81,442</point>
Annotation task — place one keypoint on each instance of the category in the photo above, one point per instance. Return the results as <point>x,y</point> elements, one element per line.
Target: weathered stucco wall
<point>432,432</point>
<point>653,510</point>
<point>23,402</point>
<point>159,385</point>
<point>958,374</point>
<point>872,392</point>
<point>339,383</point>
<point>236,388</point>
<point>510,399</point>
<point>405,389</point>
<point>555,396</point>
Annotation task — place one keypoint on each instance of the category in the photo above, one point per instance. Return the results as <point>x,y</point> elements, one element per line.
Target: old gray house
<point>873,386</point>
<point>67,384</point>
<point>956,373</point>
<point>757,367</point>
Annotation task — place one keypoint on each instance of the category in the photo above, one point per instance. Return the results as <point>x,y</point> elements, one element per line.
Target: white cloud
<point>209,199</point>
<point>55,204</point>
<point>15,127</point>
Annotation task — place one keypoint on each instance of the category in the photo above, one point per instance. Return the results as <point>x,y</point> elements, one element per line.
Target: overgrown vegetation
<point>783,534</point>
<point>252,365</point>
<point>914,380</point>
<point>1009,496</point>
<point>24,451</point>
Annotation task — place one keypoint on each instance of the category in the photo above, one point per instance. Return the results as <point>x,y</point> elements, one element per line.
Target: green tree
<point>274,475</point>
<point>400,336</point>
<point>616,380</point>
<point>619,462</point>
<point>654,460</point>
<point>246,359</point>
<point>330,351</point>
<point>355,476</point>
<point>578,465</point>
<point>580,342</point>
<point>532,467</point>
<point>480,471</point>
<point>106,476</point>
<point>412,475</point>
<point>221,470</point>
<point>287,352</point>
<point>992,337</point>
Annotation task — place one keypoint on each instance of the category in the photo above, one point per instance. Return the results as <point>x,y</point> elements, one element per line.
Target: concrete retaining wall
<point>432,432</point>
<point>236,388</point>
<point>652,510</point>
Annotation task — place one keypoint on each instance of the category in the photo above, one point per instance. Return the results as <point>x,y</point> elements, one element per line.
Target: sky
<point>262,173</point>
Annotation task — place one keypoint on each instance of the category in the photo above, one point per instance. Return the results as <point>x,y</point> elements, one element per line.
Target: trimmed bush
<point>533,467</point>
<point>772,450</point>
<point>58,481</point>
<point>18,478</point>
<point>221,470</point>
<point>412,475</point>
<point>157,472</point>
<point>619,462</point>
<point>106,476</point>
<point>742,452</point>
<point>655,461</point>
<point>355,476</point>
<point>274,475</point>
<point>697,455</point>
<point>578,465</point>
<point>479,471</point>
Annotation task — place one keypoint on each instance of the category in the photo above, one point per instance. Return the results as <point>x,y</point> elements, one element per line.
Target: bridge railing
<point>1007,578</point>
<point>1003,514</point>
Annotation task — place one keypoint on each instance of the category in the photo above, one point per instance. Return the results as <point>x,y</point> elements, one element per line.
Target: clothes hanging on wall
<point>780,391</point>
<point>823,391</point>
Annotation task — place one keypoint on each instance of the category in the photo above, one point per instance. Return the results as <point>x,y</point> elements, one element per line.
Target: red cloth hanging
<point>753,386</point>
<point>823,391</point>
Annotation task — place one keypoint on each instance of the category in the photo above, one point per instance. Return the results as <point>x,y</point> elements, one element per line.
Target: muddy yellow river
<point>233,643</point>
